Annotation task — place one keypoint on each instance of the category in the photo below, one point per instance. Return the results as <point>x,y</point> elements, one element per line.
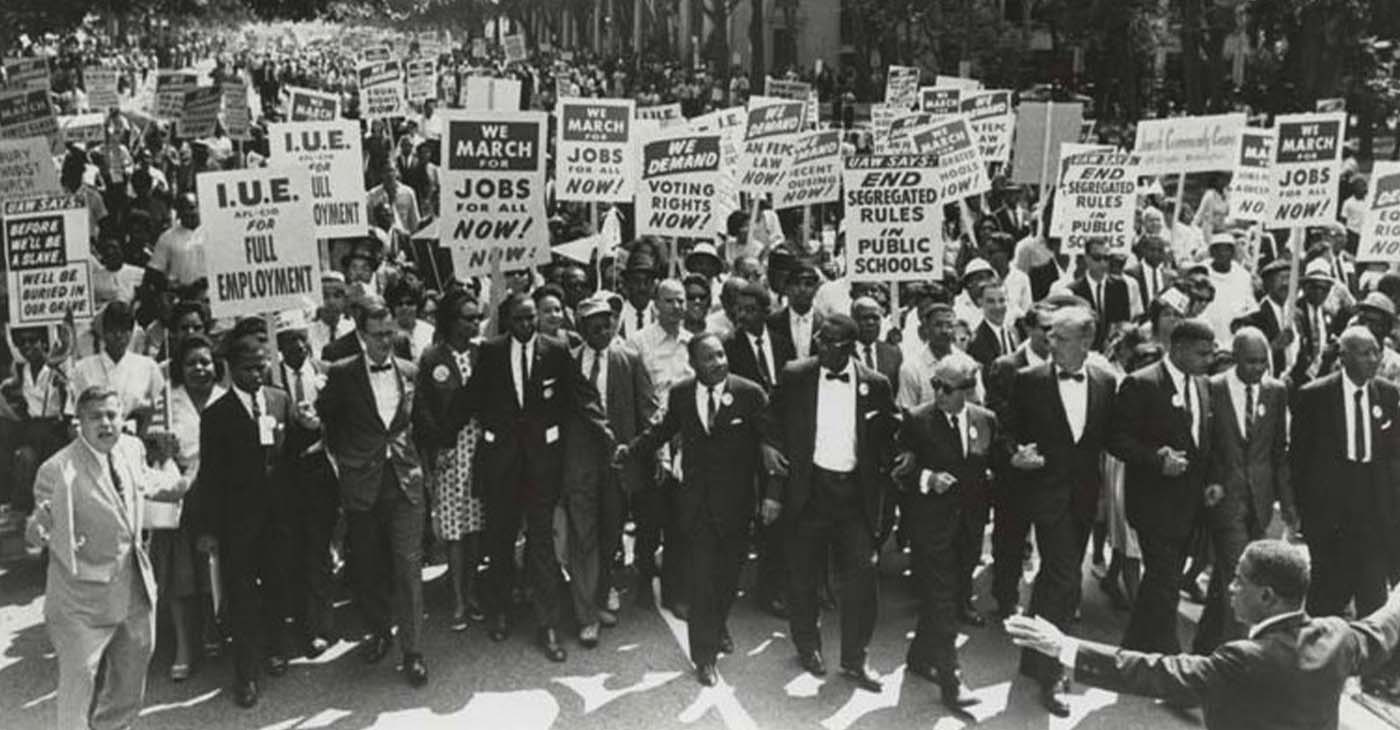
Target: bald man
<point>1246,474</point>
<point>871,351</point>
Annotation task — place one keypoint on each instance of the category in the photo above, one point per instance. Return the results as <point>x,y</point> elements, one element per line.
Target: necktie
<point>596,370</point>
<point>257,411</point>
<point>112,472</point>
<point>765,371</point>
<point>524,371</point>
<point>1152,285</point>
<point>1098,296</point>
<point>1249,411</point>
<point>640,321</point>
<point>1358,420</point>
<point>713,407</point>
<point>955,423</point>
<point>297,390</point>
<point>870,355</point>
<point>1006,345</point>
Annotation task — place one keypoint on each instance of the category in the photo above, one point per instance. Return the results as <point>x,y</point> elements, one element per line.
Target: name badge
<point>266,426</point>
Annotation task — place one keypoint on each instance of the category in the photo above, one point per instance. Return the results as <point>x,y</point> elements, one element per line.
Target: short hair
<point>244,345</point>
<point>930,307</point>
<point>1277,565</point>
<point>117,315</point>
<point>182,350</point>
<point>842,320</point>
<point>757,291</point>
<point>188,306</point>
<point>369,307</point>
<point>697,339</point>
<point>704,283</point>
<point>94,394</point>
<point>402,290</point>
<point>1192,332</point>
<point>1081,319</point>
<point>669,284</point>
<point>449,308</point>
<point>548,290</point>
<point>1037,316</point>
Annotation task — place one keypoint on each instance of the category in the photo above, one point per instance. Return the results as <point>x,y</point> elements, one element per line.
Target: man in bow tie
<point>833,419</point>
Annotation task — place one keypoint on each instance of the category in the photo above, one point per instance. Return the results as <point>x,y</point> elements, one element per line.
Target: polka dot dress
<point>457,511</point>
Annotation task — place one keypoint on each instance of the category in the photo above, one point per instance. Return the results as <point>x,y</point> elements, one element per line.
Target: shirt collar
<point>1178,377</point>
<point>1236,383</point>
<point>1349,387</point>
<point>101,457</point>
<point>795,317</point>
<point>704,390</point>
<point>1274,620</point>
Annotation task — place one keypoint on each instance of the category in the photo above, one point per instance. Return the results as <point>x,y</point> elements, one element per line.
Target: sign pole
<point>1042,223</point>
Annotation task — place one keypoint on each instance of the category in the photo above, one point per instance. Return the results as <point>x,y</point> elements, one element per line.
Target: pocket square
<point>548,381</point>
<point>736,421</point>
<point>871,414</point>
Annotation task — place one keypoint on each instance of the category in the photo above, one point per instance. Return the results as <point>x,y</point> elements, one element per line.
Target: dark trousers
<point>312,594</point>
<point>1152,625</point>
<point>386,550</point>
<point>715,558</point>
<point>654,508</point>
<point>1011,525</point>
<point>834,516</point>
<point>1229,538</point>
<point>1351,562</point>
<point>937,526</point>
<point>509,503</point>
<point>772,578</point>
<point>967,544</point>
<point>595,533</point>
<point>1056,586</point>
<point>253,556</point>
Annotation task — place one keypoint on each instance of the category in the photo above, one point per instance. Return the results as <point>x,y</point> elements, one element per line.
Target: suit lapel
<point>360,369</point>
<point>862,395</point>
<point>1052,384</point>
<point>97,467</point>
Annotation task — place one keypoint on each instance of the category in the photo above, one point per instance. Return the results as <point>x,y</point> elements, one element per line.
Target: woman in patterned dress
<point>458,514</point>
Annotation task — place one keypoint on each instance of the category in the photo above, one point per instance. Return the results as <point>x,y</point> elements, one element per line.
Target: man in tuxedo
<point>719,417</point>
<point>947,446</point>
<point>1056,424</point>
<point>593,492</point>
<point>242,507</point>
<point>524,390</point>
<point>1107,294</point>
<point>833,420</point>
<point>366,410</point>
<point>100,592</point>
<point>994,337</point>
<point>795,326</point>
<point>1246,472</point>
<point>1161,431</point>
<point>1288,673</point>
<point>873,352</point>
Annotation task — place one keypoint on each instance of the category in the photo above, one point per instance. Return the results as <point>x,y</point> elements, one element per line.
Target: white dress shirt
<point>518,377</point>
<point>385,385</point>
<point>702,401</point>
<point>1349,390</point>
<point>1239,398</point>
<point>801,327</point>
<point>835,447</point>
<point>586,356</point>
<point>627,319</point>
<point>1074,394</point>
<point>259,398</point>
<point>962,427</point>
<point>1257,629</point>
<point>1189,393</point>
<point>41,393</point>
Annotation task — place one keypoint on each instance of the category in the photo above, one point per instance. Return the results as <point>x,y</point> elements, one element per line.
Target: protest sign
<point>813,171</point>
<point>730,123</point>
<point>989,115</point>
<point>479,47</point>
<point>1188,144</point>
<point>1252,184</point>
<point>595,157</point>
<point>80,129</point>
<point>483,93</point>
<point>961,171</point>
<point>376,54</point>
<point>169,98</point>
<point>26,113</point>
<point>772,126</point>
<point>1041,127</point>
<point>492,190</point>
<point>422,80</point>
<point>940,100</point>
<point>305,105</point>
<point>1335,104</point>
<point>101,86</point>
<point>46,251</point>
<point>381,90</point>
<point>330,153</point>
<point>899,141</point>
<point>894,218</point>
<point>678,189</point>
<point>882,117</point>
<point>1096,199</point>
<point>237,115</point>
<point>1307,161</point>
<point>902,86</point>
<point>957,82</point>
<point>29,73</point>
<point>1380,228</point>
<point>514,46</point>
<point>201,112</point>
<point>26,168</point>
<point>664,113</point>
<point>266,257</point>
<point>794,91</point>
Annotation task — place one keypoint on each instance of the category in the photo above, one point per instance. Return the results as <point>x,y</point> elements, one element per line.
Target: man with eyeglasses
<point>1107,294</point>
<point>833,420</point>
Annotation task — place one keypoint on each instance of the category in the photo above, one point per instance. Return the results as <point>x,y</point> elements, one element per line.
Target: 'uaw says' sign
<point>492,196</point>
<point>594,158</point>
<point>330,152</point>
<point>1307,160</point>
<point>1380,229</point>
<point>813,171</point>
<point>894,218</point>
<point>768,140</point>
<point>679,194</point>
<point>266,257</point>
<point>46,251</point>
<point>1096,199</point>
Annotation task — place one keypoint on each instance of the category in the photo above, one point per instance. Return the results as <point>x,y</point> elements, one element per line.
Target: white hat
<point>977,266</point>
<point>291,320</point>
<point>1318,270</point>
<point>1223,239</point>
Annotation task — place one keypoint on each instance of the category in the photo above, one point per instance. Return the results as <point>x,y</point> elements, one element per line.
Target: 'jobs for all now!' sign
<point>596,159</point>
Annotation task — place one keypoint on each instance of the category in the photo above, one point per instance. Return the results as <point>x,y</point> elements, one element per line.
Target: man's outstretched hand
<point>1034,632</point>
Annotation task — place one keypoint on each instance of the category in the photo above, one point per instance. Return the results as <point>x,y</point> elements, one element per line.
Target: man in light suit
<point>593,492</point>
<point>366,410</point>
<point>1289,672</point>
<point>1247,472</point>
<point>833,420</point>
<point>100,591</point>
<point>719,417</point>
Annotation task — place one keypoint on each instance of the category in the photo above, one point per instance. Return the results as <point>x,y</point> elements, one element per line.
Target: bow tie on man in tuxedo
<point>384,368</point>
<point>1066,375</point>
<point>843,377</point>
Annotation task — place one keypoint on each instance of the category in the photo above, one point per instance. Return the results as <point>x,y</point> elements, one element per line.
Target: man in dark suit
<point>1161,431</point>
<point>1153,273</point>
<point>593,492</point>
<point>1246,472</point>
<point>524,390</point>
<point>1343,468</point>
<point>1055,427</point>
<point>872,351</point>
<point>1289,673</point>
<point>833,420</point>
<point>718,416</point>
<point>366,410</point>
<point>1107,294</point>
<point>1271,317</point>
<point>948,444</point>
<point>994,337</point>
<point>242,507</point>
<point>795,326</point>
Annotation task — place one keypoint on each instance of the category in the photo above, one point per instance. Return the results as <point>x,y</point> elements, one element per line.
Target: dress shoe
<point>316,646</point>
<point>955,694</point>
<point>1052,697</point>
<point>275,665</point>
<point>459,620</point>
<point>500,629</point>
<point>474,610</point>
<point>588,636</point>
<point>726,642</point>
<point>607,619</point>
<point>705,674</point>
<point>863,678</point>
<point>971,617</point>
<point>245,694</point>
<point>549,642</point>
<point>811,660</point>
<point>375,648</point>
<point>414,670</point>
